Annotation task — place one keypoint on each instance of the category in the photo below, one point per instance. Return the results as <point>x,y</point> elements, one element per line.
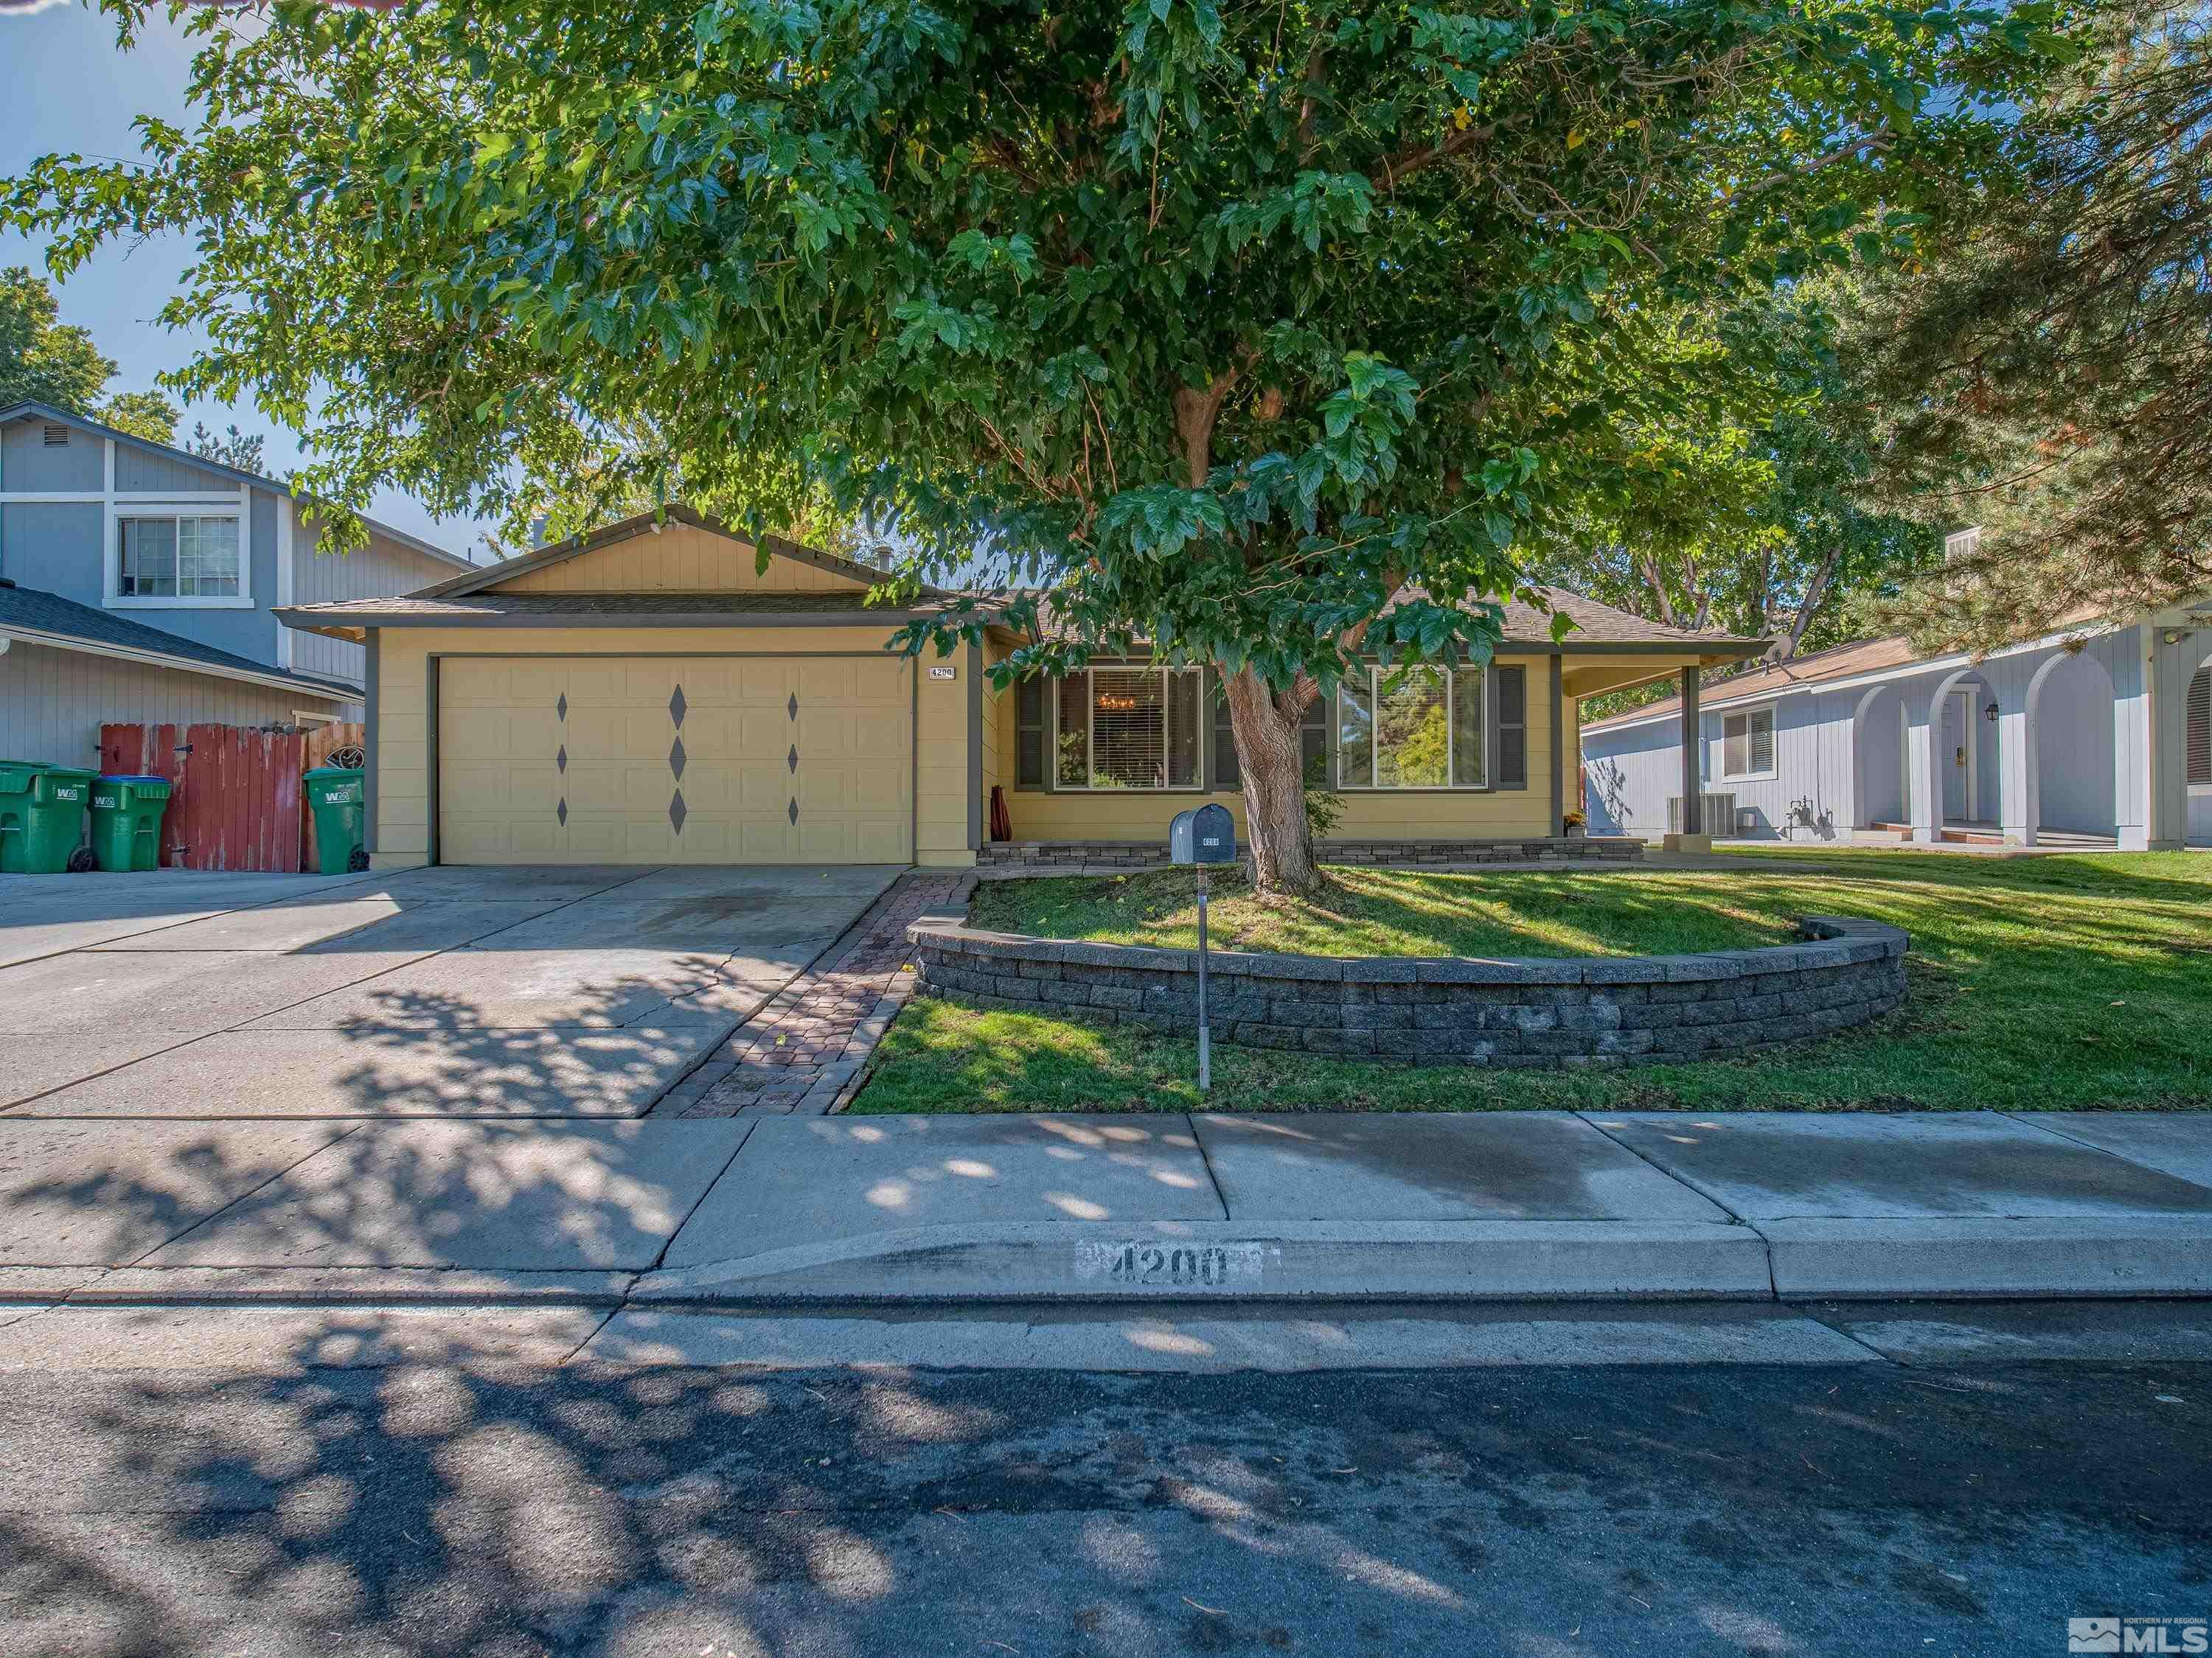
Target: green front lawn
<point>2056,983</point>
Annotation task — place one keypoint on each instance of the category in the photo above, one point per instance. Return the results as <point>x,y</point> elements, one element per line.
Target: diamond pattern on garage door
<point>691,760</point>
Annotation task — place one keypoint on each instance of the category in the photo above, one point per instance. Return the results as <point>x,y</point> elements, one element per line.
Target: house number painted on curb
<point>1170,1266</point>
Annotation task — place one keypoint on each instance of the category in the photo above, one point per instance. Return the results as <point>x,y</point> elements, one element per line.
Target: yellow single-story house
<point>649,694</point>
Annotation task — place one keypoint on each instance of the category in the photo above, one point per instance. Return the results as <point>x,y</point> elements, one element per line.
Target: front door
<point>1956,755</point>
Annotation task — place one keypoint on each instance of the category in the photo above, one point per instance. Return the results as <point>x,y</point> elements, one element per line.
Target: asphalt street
<point>503,1505</point>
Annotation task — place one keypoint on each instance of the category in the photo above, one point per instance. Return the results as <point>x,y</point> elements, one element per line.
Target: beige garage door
<point>675,759</point>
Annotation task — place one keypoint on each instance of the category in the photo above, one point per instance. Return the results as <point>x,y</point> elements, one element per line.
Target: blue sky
<point>64,87</point>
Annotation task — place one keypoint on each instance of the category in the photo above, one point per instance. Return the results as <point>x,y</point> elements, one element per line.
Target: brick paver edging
<point>1000,859</point>
<point>1523,1012</point>
<point>808,1049</point>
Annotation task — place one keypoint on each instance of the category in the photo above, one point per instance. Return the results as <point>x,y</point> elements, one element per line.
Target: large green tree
<point>45,360</point>
<point>1746,503</point>
<point>1224,324</point>
<point>2047,375</point>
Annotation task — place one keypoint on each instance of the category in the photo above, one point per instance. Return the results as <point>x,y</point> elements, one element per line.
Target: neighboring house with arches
<point>2099,734</point>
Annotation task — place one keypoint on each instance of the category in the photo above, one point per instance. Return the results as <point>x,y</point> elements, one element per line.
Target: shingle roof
<point>1595,624</point>
<point>1838,662</point>
<point>556,607</point>
<point>34,610</point>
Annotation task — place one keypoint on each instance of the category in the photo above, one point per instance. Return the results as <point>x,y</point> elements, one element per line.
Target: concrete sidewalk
<point>1166,1209</point>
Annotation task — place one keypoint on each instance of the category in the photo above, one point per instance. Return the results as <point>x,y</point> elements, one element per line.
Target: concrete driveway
<point>437,992</point>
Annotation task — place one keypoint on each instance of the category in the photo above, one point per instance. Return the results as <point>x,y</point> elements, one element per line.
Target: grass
<point>1374,911</point>
<point>2036,983</point>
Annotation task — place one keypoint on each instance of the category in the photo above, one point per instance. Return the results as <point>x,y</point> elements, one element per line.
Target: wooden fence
<point>235,800</point>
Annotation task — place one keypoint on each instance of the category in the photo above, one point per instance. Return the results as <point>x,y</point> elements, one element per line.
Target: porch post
<point>2017,774</point>
<point>1693,837</point>
<point>2166,671</point>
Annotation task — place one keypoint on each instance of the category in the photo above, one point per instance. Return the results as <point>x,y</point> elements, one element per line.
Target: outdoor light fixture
<point>1989,714</point>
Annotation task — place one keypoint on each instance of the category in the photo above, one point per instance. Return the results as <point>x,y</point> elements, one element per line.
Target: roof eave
<point>331,692</point>
<point>305,618</point>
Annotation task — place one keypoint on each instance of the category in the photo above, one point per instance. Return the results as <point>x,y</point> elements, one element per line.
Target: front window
<point>1748,744</point>
<point>1129,728</point>
<point>1419,729</point>
<point>179,556</point>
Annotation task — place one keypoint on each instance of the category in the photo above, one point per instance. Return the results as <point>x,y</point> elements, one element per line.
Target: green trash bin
<point>335,796</point>
<point>41,816</point>
<point>126,821</point>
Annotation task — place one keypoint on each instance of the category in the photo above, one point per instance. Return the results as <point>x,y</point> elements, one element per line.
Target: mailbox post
<point>1205,835</point>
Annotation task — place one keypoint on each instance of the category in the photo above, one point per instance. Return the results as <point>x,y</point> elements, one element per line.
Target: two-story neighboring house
<point>136,583</point>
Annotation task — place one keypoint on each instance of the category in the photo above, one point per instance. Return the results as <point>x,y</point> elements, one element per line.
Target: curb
<point>1224,1261</point>
<point>1966,1257</point>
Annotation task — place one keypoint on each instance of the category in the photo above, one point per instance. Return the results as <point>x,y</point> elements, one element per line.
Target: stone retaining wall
<point>1112,857</point>
<point>1534,1011</point>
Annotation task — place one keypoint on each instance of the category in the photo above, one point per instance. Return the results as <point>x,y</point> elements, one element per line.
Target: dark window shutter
<point>1513,701</point>
<point>1029,733</point>
<point>1228,776</point>
<point>1313,742</point>
<point>2200,727</point>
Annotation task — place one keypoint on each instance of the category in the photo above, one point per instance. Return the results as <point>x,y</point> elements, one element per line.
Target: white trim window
<point>172,558</point>
<point>1417,728</point>
<point>1748,744</point>
<point>1129,728</point>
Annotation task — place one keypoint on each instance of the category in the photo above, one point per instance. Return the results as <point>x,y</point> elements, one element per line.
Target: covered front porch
<point>2082,743</point>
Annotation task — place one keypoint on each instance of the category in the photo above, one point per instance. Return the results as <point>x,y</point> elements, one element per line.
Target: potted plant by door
<point>1575,822</point>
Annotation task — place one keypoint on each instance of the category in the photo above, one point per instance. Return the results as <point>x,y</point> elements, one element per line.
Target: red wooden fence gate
<point>235,796</point>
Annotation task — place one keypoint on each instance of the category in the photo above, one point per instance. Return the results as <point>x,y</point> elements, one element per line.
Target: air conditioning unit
<point>1718,812</point>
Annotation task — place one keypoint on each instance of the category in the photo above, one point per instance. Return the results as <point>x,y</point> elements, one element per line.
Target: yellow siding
<point>402,736</point>
<point>678,559</point>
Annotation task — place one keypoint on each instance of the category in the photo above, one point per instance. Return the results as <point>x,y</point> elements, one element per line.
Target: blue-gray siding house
<point>2102,730</point>
<point>140,583</point>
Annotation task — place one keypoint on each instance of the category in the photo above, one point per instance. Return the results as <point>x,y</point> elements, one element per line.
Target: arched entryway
<point>1879,793</point>
<point>1956,780</point>
<point>2071,758</point>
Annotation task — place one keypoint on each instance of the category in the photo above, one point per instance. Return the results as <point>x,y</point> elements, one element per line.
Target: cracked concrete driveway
<point>434,993</point>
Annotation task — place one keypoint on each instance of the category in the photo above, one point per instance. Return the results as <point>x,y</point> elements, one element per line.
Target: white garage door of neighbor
<point>675,759</point>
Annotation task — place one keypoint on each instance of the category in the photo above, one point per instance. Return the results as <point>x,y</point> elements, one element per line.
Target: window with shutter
<point>1129,728</point>
<point>1748,744</point>
<point>2200,728</point>
<point>1419,729</point>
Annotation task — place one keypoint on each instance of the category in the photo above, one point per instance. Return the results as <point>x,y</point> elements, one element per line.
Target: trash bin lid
<point>128,777</point>
<point>332,771</point>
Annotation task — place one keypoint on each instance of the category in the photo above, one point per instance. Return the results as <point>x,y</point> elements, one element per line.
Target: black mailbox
<point>1205,835</point>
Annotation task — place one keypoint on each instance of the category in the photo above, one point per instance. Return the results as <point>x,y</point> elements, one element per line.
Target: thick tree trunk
<point>1266,727</point>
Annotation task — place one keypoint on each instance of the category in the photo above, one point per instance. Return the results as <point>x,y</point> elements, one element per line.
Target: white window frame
<point>1091,735</point>
<point>126,508</point>
<point>1773,742</point>
<point>1374,676</point>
